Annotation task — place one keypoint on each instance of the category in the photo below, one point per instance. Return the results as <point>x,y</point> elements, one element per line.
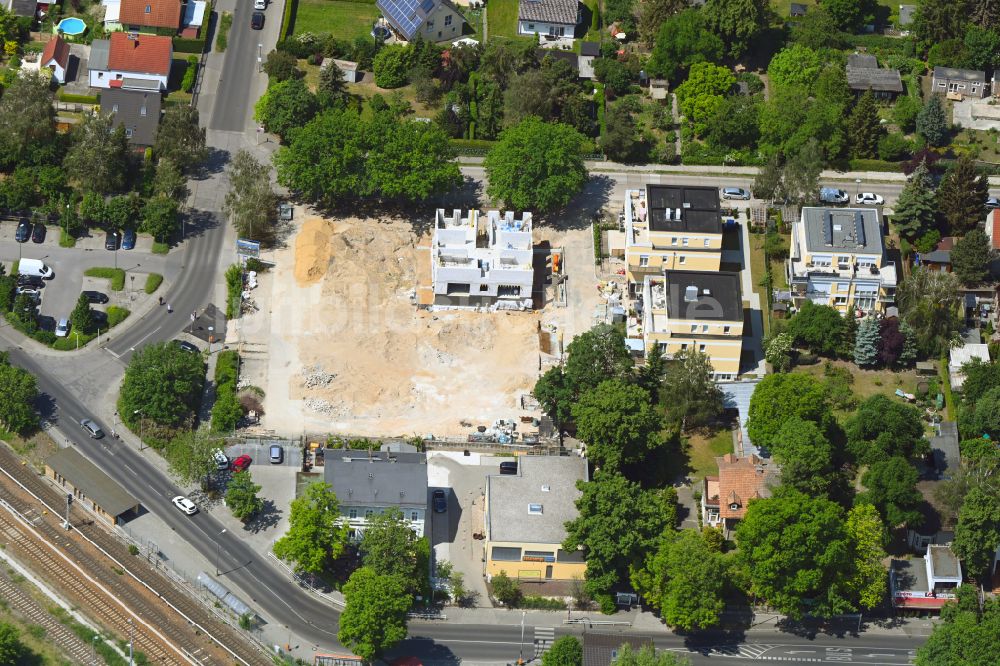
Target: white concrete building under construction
<point>482,262</point>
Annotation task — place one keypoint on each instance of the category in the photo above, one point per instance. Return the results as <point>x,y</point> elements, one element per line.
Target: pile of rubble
<point>315,377</point>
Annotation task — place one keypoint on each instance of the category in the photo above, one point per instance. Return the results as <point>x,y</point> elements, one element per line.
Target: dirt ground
<point>348,352</point>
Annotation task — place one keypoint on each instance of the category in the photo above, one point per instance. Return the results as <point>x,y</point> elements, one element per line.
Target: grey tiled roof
<point>86,477</point>
<point>549,11</point>
<point>383,478</point>
<point>961,74</point>
<point>99,50</point>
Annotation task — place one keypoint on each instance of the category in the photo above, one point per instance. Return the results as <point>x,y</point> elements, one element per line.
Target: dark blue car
<point>128,239</point>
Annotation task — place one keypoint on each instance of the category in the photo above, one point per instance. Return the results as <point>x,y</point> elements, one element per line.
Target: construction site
<point>343,346</point>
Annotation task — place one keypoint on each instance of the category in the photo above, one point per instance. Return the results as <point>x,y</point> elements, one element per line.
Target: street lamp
<point>139,412</point>
<point>131,640</point>
<point>520,653</point>
<point>218,552</point>
<point>857,188</point>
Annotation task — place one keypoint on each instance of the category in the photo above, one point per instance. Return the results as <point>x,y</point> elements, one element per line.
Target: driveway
<point>463,478</point>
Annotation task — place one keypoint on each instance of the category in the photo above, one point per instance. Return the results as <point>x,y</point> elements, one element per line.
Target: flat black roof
<point>704,296</point>
<point>698,208</point>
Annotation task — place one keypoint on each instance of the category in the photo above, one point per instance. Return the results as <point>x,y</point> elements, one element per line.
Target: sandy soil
<point>348,351</point>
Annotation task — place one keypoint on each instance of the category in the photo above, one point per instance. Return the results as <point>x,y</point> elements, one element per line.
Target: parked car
<point>128,239</point>
<point>185,505</point>
<point>221,460</point>
<point>833,196</point>
<point>260,4</point>
<point>95,297</point>
<point>111,240</point>
<point>34,292</point>
<point>257,21</point>
<point>992,203</point>
<point>35,267</point>
<point>38,233</point>
<point>241,463</point>
<point>439,500</point>
<point>735,193</point>
<point>869,198</point>
<point>30,281</point>
<point>62,328</point>
<point>508,467</point>
<point>92,428</point>
<point>23,232</point>
<point>186,346</point>
<point>276,454</point>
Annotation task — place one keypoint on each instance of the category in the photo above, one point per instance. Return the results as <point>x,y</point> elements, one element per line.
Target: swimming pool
<point>72,26</point>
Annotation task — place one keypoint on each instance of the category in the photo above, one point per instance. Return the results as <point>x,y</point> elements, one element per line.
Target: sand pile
<point>312,251</point>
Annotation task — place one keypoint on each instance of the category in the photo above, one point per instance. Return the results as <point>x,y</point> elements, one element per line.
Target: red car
<point>241,463</point>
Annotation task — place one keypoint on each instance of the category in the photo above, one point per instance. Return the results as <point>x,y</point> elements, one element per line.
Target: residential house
<point>25,8</point>
<point>588,52</point>
<point>906,13</point>
<point>864,74</point>
<point>432,20</point>
<point>526,515</point>
<point>959,356</point>
<point>965,82</point>
<point>938,259</point>
<point>993,229</point>
<point>925,583</point>
<point>724,498</point>
<point>138,111</point>
<point>482,262</point>
<point>838,258</point>
<point>690,310</point>
<point>151,16</point>
<point>55,56</point>
<point>548,18</point>
<point>90,486</point>
<point>671,227</point>
<point>601,648</point>
<point>369,482</point>
<point>132,62</point>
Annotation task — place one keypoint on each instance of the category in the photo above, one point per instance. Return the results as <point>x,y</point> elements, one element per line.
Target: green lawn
<point>502,18</point>
<point>704,448</point>
<point>344,20</point>
<point>757,273</point>
<point>781,7</point>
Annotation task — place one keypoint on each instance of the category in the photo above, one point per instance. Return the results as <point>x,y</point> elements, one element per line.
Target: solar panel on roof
<point>427,5</point>
<point>859,228</point>
<point>403,14</point>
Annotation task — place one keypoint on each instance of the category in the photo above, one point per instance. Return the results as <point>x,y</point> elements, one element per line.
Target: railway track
<point>182,623</point>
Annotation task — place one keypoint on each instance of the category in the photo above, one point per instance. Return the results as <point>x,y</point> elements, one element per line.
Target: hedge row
<point>288,19</point>
<point>186,45</point>
<point>226,411</point>
<point>116,275</point>
<point>79,99</point>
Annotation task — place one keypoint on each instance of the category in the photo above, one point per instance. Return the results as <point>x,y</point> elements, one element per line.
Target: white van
<point>34,267</point>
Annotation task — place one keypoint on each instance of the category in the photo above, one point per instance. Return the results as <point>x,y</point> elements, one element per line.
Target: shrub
<point>227,367</point>
<point>153,281</point>
<point>222,39</point>
<point>116,315</point>
<point>234,288</point>
<point>392,65</point>
<point>185,45</point>
<point>287,19</point>
<point>190,74</point>
<point>79,99</point>
<point>116,275</point>
<point>160,248</point>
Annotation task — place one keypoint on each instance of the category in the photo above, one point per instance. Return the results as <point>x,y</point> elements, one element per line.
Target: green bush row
<point>153,281</point>
<point>190,74</point>
<point>116,275</point>
<point>70,98</point>
<point>541,603</point>
<point>234,289</point>
<point>226,411</point>
<point>288,19</point>
<point>227,367</point>
<point>186,45</point>
<point>222,39</point>
<point>873,165</point>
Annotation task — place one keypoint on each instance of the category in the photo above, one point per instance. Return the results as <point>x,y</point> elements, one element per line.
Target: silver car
<point>735,193</point>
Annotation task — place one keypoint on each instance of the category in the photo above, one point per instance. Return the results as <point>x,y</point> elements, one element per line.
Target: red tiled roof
<point>146,54</point>
<point>995,228</point>
<point>160,14</point>
<point>57,49</point>
<point>741,480</point>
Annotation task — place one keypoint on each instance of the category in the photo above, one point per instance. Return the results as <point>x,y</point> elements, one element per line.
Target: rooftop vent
<point>535,509</point>
<point>546,489</point>
<point>691,294</point>
<point>706,292</point>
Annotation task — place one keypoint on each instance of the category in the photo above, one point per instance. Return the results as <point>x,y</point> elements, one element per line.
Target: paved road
<point>233,106</point>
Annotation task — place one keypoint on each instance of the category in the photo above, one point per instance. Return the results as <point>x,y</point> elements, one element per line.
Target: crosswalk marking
<point>544,637</point>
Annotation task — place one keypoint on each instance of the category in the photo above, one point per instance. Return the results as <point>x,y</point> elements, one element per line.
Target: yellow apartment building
<point>526,515</point>
<point>671,227</point>
<point>684,310</point>
<point>837,258</point>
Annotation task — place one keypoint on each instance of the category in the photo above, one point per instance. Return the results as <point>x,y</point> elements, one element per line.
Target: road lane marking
<point>143,338</point>
<point>118,356</point>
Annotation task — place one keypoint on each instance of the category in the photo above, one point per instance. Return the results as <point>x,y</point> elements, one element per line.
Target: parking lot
<point>60,294</point>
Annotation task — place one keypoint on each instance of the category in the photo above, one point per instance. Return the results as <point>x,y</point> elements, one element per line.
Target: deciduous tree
<point>795,66</point>
<point>867,534</point>
<point>506,590</point>
<point>596,355</point>
<point>967,635</point>
<point>682,40</point>
<point>978,531</point>
<point>18,392</point>
<point>779,398</point>
<point>962,196</point>
<point>703,92</point>
<point>286,106</point>
<point>389,545</point>
<point>805,455</point>
<point>12,650</point>
<point>159,217</point>
<point>281,66</point>
<point>242,496</point>
<point>850,15</point>
<point>190,456</point>
<point>779,352</point>
<point>565,651</point>
<point>163,383</point>
<point>376,610</point>
<point>891,487</point>
<point>737,22</point>
<point>316,535</point>
<point>250,203</point>
<point>27,120</point>
<point>882,429</point>
<point>695,399</point>
<point>169,181</point>
<point>180,138</point>
<point>82,317</point>
<point>618,424</point>
<point>971,256</point>
<point>929,302</point>
<point>98,159</point>
<point>821,328</point>
<point>392,65</point>
<point>647,656</point>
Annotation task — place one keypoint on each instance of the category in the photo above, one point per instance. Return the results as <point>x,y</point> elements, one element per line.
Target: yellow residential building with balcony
<point>689,310</point>
<point>671,227</point>
<point>837,258</point>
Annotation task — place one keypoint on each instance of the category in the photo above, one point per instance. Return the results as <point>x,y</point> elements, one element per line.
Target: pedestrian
<point>169,309</point>
<point>194,315</point>
<point>161,299</point>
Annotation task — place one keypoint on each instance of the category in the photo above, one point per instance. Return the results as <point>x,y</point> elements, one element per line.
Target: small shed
<point>926,369</point>
<point>56,57</point>
<point>959,356</point>
<point>906,13</point>
<point>89,485</point>
<point>350,69</point>
<point>658,88</point>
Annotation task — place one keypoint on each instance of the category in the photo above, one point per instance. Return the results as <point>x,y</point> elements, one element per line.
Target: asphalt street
<point>233,108</point>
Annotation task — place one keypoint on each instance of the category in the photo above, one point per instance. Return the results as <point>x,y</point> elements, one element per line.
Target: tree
<point>980,377</point>
<point>392,65</point>
<point>864,127</point>
<point>595,356</point>
<point>795,551</point>
<point>971,256</point>
<point>892,342</point>
<point>617,524</point>
<point>565,651</point>
<point>695,399</point>
<point>316,536</point>
<point>159,217</point>
<point>242,498</point>
<point>936,22</point>
<point>621,142</point>
<point>703,92</point>
<point>962,196</point>
<point>867,533</point>
<point>180,138</point>
<point>794,66</point>
<point>376,613</point>
<point>681,41</point>
<point>27,120</point>
<point>821,328</point>
<point>98,159</point>
<point>891,487</point>
<point>767,184</point>
<point>250,203</point>
<point>904,113</point>
<point>735,123</point>
<point>331,89</point>
<point>867,342</point>
<point>978,530</point>
<point>505,589</point>
<point>737,22</point>
<point>286,106</point>
<point>779,352</point>
<point>651,374</point>
<point>190,456</point>
<point>654,14</point>
<point>985,418</point>
<point>805,455</point>
<point>616,77</point>
<point>908,355</point>
<point>11,648</point>
<point>226,412</point>
<point>929,302</point>
<point>556,396</point>
<point>164,384</point>
<point>800,176</point>
<point>818,30</point>
<point>967,635</point>
<point>325,160</point>
<point>536,165</point>
<point>684,580</point>
<point>281,66</point>
<point>389,546</point>
<point>169,181</point>
<point>121,211</point>
<point>25,313</point>
<point>780,397</point>
<point>18,392</point>
<point>850,15</point>
<point>916,209</point>
<point>882,429</point>
<point>412,161</point>
<point>618,424</point>
<point>82,317</point>
<point>932,124</point>
<point>647,656</point>
<point>985,14</point>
